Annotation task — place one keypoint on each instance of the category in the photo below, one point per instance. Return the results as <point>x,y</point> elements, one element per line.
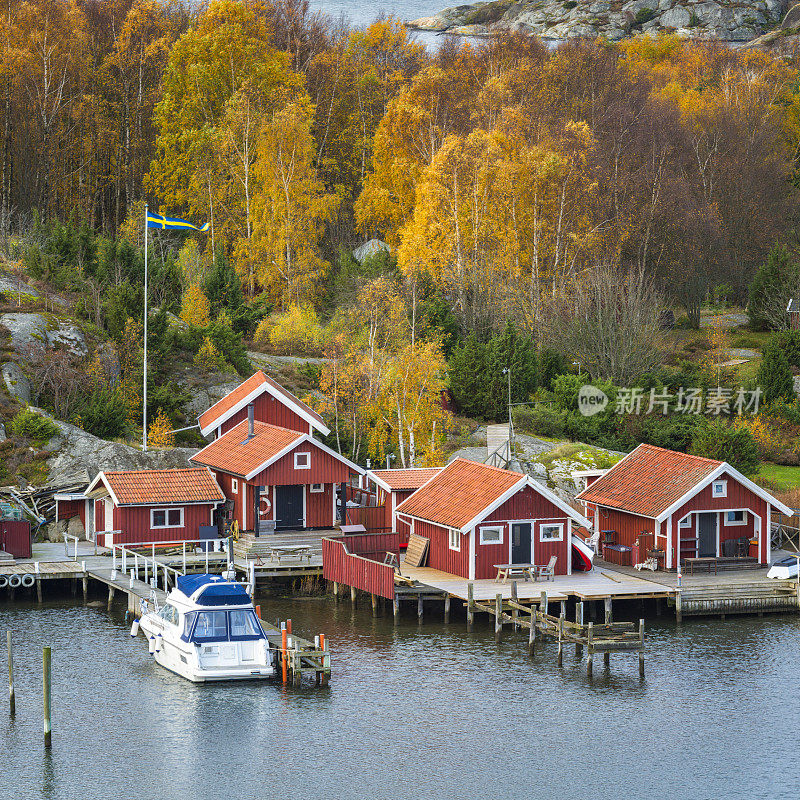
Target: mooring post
<point>323,660</point>
<point>470,605</point>
<point>579,620</point>
<point>641,648</point>
<point>374,599</point>
<point>74,587</point>
<point>420,608</point>
<point>498,616</point>
<point>12,699</point>
<point>396,608</point>
<point>283,652</point>
<point>353,595</point>
<point>532,631</point>
<point>589,649</point>
<point>515,599</point>
<point>447,608</point>
<point>335,592</point>
<point>678,608</point>
<point>560,640</point>
<point>609,614</point>
<point>110,598</point>
<point>543,604</point>
<point>38,590</point>
<point>46,660</point>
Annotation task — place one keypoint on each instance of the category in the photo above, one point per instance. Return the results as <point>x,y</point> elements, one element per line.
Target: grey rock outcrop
<point>16,382</point>
<point>370,248</point>
<point>29,329</point>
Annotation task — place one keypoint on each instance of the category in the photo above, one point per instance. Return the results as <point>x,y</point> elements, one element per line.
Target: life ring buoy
<point>264,506</point>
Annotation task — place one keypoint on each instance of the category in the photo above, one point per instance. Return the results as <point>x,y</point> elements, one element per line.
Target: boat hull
<point>582,555</point>
<point>785,568</point>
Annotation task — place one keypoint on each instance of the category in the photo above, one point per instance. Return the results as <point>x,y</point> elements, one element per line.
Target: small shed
<point>793,310</point>
<point>153,505</point>
<point>477,516</point>
<point>672,503</point>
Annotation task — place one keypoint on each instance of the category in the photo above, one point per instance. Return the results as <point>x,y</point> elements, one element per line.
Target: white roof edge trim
<point>260,389</point>
<point>303,437</point>
<point>559,503</point>
<point>734,473</point>
<point>371,474</point>
<point>101,476</point>
<point>496,503</point>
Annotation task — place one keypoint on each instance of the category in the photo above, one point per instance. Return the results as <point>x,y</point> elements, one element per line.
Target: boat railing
<point>128,559</point>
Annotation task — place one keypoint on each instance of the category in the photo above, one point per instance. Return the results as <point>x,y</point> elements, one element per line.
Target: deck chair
<point>549,571</point>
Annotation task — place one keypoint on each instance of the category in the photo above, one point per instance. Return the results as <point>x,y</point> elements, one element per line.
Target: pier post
<point>420,608</point>
<point>532,631</point>
<point>678,609</point>
<point>609,613</point>
<point>335,592</point>
<point>110,598</point>
<point>38,590</point>
<point>74,587</point>
<point>12,699</point>
<point>579,620</point>
<point>641,648</point>
<point>589,649</point>
<point>514,612</point>
<point>353,595</point>
<point>447,608</point>
<point>46,661</point>
<point>85,582</point>
<point>544,604</point>
<point>560,660</point>
<point>374,599</point>
<point>396,608</point>
<point>658,606</point>
<point>470,608</point>
<point>498,616</point>
<point>283,652</point>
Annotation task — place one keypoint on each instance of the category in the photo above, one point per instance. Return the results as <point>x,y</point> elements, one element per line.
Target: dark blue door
<point>289,507</point>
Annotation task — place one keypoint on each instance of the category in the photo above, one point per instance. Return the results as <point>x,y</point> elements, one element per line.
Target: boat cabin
<point>657,503</point>
<point>477,516</point>
<point>154,505</point>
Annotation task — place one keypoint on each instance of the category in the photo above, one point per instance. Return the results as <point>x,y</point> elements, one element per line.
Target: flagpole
<point>144,380</point>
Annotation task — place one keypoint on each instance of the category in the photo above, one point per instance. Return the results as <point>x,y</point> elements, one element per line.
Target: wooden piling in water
<point>335,592</point>
<point>353,595</point>
<point>110,598</point>
<point>590,650</point>
<point>420,608</point>
<point>470,606</point>
<point>579,620</point>
<point>532,632</point>
<point>12,699</point>
<point>560,660</point>
<point>446,609</point>
<point>678,611</point>
<point>39,590</point>
<point>85,581</point>
<point>374,599</point>
<point>284,666</point>
<point>514,612</point>
<point>641,648</point>
<point>609,612</point>
<point>46,663</point>
<point>498,617</point>
<point>396,609</point>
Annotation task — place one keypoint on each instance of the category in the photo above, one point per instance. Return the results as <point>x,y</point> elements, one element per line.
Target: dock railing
<point>357,560</point>
<point>68,537</point>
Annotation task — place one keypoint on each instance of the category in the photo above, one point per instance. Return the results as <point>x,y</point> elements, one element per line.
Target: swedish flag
<point>172,223</point>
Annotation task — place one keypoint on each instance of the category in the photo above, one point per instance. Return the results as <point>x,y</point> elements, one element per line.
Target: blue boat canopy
<point>216,591</point>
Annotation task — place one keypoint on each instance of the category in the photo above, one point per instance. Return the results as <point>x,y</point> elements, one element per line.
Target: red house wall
<point>440,556</point>
<point>324,469</point>
<point>487,555</point>
<point>399,525</point>
<point>627,526</point>
<point>268,409</point>
<point>135,523</point>
<point>319,507</point>
<point>67,509</point>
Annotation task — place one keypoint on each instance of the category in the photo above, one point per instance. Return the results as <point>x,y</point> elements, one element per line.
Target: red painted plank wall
<point>268,409</point>
<point>319,507</point>
<point>543,551</point>
<point>15,537</point>
<point>225,482</point>
<point>354,570</point>
<point>627,526</point>
<point>487,555</point>
<point>373,518</point>
<point>67,509</point>
<point>324,469</point>
<point>440,556</point>
<point>402,527</point>
<point>526,504</point>
<point>134,523</point>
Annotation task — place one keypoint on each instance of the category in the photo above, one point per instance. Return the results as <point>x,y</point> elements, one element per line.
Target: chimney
<point>251,421</point>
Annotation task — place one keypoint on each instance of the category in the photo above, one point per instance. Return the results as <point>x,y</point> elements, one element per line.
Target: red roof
<point>250,387</point>
<point>459,493</point>
<point>405,479</point>
<point>235,454</point>
<point>649,480</point>
<point>162,486</point>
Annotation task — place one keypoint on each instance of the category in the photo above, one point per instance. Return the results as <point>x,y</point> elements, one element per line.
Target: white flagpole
<point>144,380</point>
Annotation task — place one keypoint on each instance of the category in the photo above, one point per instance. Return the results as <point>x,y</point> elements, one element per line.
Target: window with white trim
<point>302,460</point>
<point>736,517</point>
<point>686,522</point>
<point>316,488</point>
<point>719,489</point>
<point>234,486</point>
<point>166,517</point>
<point>455,539</point>
<point>551,533</point>
<point>492,534</point>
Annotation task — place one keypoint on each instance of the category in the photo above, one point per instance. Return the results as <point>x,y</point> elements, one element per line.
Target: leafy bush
<point>298,332</point>
<point>208,358</point>
<point>734,444</point>
<point>540,421</point>
<point>644,15</point>
<point>775,375</point>
<point>103,413</point>
<point>33,426</point>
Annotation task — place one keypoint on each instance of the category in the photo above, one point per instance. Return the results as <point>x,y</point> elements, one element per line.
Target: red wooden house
<point>271,403</point>
<point>393,487</point>
<point>685,504</point>
<point>153,505</point>
<point>476,516</point>
<point>276,475</point>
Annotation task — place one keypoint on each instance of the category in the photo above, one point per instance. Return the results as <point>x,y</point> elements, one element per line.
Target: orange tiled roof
<point>157,486</point>
<point>459,493</point>
<point>649,480</point>
<point>221,407</point>
<point>231,453</point>
<point>405,479</point>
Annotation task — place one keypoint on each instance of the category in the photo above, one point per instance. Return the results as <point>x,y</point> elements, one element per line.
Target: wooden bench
<point>506,571</point>
<point>706,561</point>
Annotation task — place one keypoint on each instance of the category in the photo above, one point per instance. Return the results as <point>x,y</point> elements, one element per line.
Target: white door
<point>109,514</point>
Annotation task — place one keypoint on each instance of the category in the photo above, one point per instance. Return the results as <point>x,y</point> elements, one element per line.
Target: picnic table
<point>506,571</point>
<point>299,551</point>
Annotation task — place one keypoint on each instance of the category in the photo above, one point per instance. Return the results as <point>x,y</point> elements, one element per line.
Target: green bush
<point>733,444</point>
<point>102,413</point>
<point>33,426</point>
<point>775,375</point>
<point>540,421</point>
<point>644,15</point>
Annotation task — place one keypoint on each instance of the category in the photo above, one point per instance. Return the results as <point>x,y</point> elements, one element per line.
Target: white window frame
<point>454,539</point>
<point>686,522</point>
<point>307,454</point>
<point>732,524</point>
<point>723,484</point>
<point>547,540</point>
<point>498,528</point>
<point>234,485</point>
<point>316,488</point>
<point>166,518</point>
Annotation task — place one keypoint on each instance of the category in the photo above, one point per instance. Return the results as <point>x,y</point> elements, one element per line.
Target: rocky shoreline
<point>722,20</point>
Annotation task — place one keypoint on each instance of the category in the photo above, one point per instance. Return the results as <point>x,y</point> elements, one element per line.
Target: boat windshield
<point>222,626</point>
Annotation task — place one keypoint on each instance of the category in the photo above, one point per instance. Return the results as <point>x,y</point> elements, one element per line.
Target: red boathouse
<point>477,516</point>
<point>153,505</point>
<point>667,502</point>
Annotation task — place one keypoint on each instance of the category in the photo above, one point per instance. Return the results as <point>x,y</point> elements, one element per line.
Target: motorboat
<point>207,630</point>
<point>582,554</point>
<point>784,568</point>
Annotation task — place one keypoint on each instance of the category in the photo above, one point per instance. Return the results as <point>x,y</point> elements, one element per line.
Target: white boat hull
<point>785,568</point>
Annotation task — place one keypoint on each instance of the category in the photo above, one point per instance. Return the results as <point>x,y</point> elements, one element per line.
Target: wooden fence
<point>373,518</point>
<point>15,538</point>
<point>357,560</point>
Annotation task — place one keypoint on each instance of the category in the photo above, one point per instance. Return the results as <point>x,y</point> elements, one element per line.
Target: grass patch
<point>749,340</point>
<point>778,478</point>
<point>586,455</point>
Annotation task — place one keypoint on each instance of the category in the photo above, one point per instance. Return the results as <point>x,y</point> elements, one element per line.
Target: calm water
<point>412,712</point>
